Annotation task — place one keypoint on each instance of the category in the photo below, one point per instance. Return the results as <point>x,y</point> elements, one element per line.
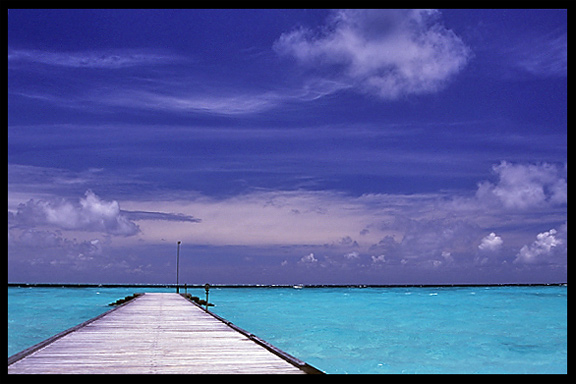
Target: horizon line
<point>159,285</point>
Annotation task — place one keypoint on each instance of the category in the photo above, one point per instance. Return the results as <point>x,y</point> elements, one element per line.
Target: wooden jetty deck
<point>156,333</point>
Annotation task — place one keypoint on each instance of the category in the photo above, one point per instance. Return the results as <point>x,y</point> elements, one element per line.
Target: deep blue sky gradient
<point>123,122</point>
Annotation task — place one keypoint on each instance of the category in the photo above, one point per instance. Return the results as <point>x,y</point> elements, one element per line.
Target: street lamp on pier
<point>177,267</point>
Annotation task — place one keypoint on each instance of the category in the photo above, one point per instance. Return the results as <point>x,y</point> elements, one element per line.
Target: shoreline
<point>193,286</point>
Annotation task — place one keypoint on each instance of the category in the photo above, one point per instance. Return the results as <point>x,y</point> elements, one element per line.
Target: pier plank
<point>155,333</point>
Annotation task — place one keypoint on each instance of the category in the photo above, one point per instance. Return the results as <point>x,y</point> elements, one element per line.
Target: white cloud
<point>351,256</point>
<point>89,214</point>
<point>491,243</point>
<point>447,256</point>
<point>525,186</point>
<point>308,259</point>
<point>388,53</point>
<point>41,246</point>
<point>547,247</point>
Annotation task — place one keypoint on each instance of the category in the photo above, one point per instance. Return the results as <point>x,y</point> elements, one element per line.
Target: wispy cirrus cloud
<point>155,84</point>
<point>186,101</point>
<point>543,56</point>
<point>183,98</point>
<point>159,216</point>
<point>105,59</point>
<point>387,53</point>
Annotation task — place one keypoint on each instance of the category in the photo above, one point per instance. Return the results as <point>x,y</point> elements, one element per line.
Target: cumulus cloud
<point>491,243</point>
<point>546,249</point>
<point>425,242</point>
<point>88,214</point>
<point>308,259</point>
<point>51,248</point>
<point>525,186</point>
<point>351,256</point>
<point>388,53</point>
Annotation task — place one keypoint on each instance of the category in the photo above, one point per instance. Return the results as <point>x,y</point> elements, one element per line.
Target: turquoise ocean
<point>475,329</point>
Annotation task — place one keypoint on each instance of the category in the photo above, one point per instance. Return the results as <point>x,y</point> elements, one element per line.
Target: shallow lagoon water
<point>505,329</point>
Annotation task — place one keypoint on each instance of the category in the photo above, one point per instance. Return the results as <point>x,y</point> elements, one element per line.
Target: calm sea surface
<point>508,329</point>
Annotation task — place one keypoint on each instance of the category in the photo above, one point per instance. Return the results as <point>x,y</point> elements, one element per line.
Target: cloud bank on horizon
<point>294,146</point>
<point>365,233</point>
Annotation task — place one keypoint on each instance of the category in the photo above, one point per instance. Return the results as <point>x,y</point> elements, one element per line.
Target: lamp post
<point>177,267</point>
<point>206,288</point>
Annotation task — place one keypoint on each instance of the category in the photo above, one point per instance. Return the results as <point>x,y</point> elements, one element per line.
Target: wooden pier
<point>156,333</point>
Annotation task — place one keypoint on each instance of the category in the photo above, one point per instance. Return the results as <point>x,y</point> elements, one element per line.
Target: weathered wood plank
<point>158,333</point>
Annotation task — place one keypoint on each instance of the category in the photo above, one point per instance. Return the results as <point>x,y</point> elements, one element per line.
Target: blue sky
<point>287,146</point>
